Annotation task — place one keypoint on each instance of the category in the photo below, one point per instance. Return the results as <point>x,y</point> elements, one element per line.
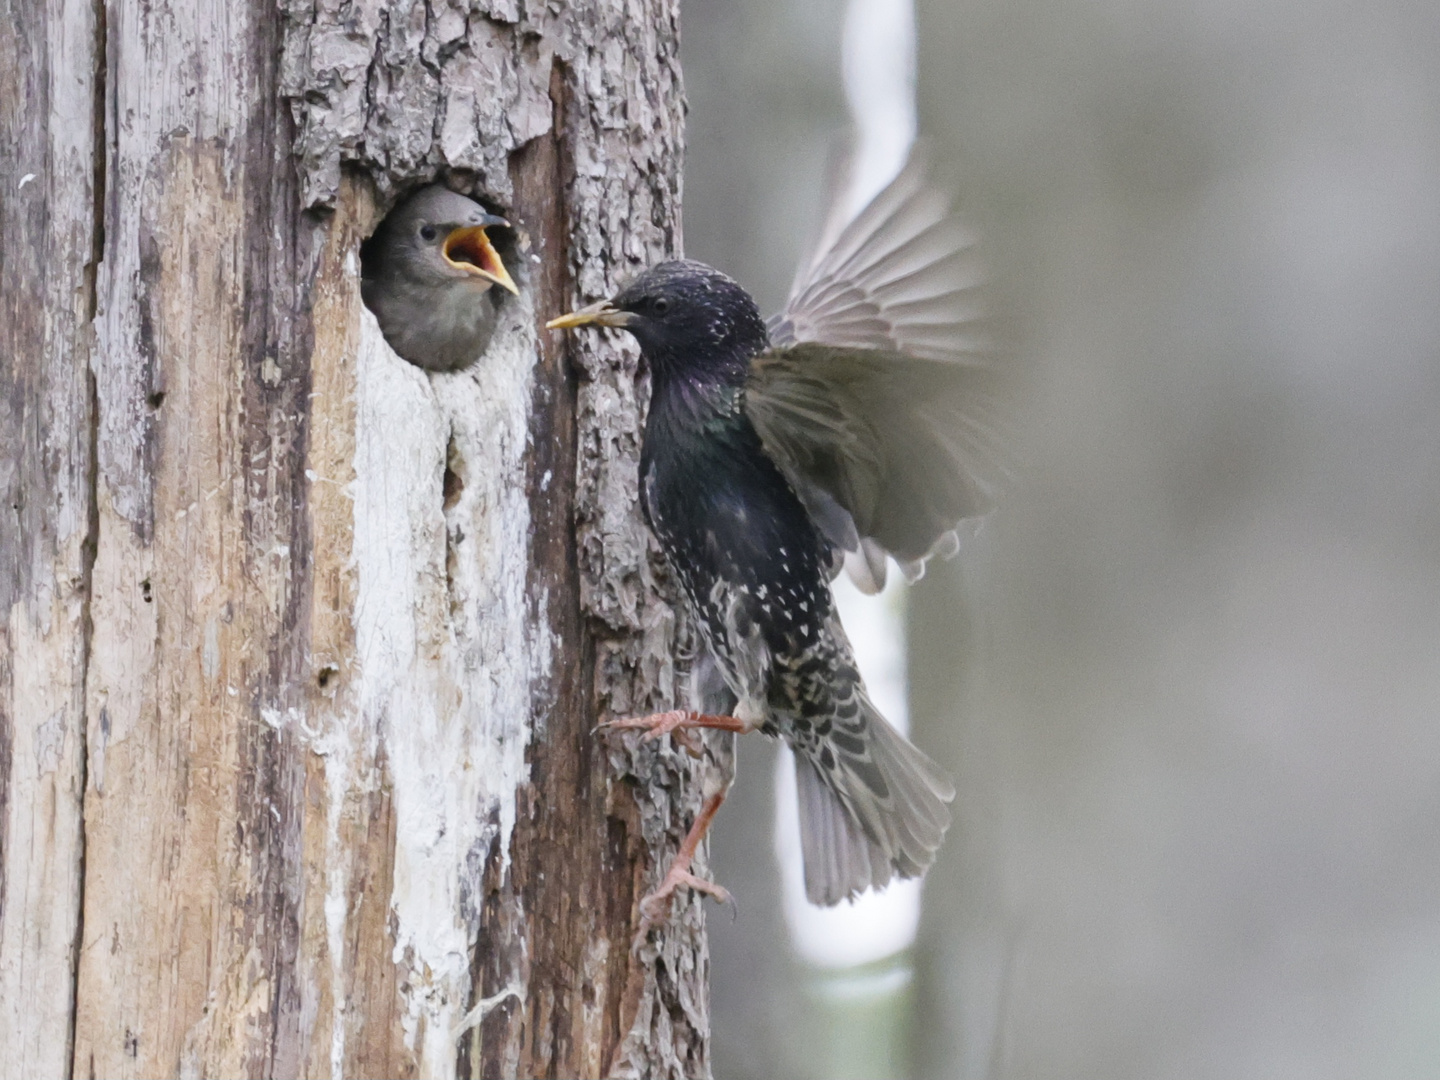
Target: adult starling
<point>860,423</point>
<point>428,275</point>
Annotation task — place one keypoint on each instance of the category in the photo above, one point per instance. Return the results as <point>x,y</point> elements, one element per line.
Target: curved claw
<point>731,903</point>
<point>689,742</point>
<point>655,906</point>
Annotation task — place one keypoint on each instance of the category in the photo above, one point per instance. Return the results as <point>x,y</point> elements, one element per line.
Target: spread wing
<point>877,397</point>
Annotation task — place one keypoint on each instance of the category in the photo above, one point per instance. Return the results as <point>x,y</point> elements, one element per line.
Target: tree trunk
<point>303,646</point>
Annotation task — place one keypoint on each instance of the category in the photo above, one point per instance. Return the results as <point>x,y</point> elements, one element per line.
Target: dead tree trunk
<point>302,647</point>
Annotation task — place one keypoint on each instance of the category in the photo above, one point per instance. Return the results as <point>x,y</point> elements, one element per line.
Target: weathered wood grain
<point>323,638</point>
<point>48,65</point>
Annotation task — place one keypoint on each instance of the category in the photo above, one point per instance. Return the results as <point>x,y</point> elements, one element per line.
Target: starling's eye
<point>427,232</point>
<point>660,305</point>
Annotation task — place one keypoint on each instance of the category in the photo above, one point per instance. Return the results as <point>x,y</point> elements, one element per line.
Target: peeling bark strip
<point>303,647</point>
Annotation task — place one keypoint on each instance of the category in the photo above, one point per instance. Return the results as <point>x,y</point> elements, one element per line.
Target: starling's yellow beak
<point>469,249</point>
<point>600,313</point>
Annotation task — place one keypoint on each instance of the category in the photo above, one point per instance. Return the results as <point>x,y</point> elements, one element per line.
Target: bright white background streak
<point>878,54</point>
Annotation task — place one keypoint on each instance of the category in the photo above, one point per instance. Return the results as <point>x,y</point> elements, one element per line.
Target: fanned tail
<point>880,812</point>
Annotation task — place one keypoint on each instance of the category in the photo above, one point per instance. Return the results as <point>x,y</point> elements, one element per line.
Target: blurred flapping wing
<point>878,397</point>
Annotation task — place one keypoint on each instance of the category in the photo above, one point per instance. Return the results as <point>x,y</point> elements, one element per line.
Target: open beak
<point>469,249</point>
<point>600,313</point>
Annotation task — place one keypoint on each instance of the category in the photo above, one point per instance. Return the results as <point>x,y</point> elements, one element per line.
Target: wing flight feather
<point>879,397</point>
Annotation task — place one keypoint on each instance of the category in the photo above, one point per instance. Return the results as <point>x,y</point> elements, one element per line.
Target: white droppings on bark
<point>442,644</point>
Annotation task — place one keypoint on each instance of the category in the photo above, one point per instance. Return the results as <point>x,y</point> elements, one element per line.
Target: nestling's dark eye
<point>427,232</point>
<point>660,305</point>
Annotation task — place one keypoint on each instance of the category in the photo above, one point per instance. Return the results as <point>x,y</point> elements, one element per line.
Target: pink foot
<point>676,722</point>
<point>655,906</point>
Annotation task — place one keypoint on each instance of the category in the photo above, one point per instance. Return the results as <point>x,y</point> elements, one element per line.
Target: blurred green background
<point>1188,677</point>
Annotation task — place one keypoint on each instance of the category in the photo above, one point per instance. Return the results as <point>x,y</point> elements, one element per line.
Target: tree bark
<point>47,256</point>
<point>304,647</point>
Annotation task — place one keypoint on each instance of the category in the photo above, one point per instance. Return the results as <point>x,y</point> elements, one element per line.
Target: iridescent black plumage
<point>860,425</point>
<point>756,570</point>
<point>749,558</point>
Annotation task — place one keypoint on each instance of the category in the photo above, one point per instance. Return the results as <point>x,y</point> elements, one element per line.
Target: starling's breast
<point>439,327</point>
<point>746,553</point>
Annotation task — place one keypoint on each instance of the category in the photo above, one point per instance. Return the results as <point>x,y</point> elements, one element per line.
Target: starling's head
<point>436,238</point>
<point>686,316</point>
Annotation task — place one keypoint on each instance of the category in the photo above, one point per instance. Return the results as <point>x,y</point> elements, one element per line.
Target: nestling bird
<point>861,422</point>
<point>429,273</point>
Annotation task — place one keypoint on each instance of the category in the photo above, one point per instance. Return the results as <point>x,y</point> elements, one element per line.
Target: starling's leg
<point>677,723</point>
<point>654,905</point>
<point>664,723</point>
